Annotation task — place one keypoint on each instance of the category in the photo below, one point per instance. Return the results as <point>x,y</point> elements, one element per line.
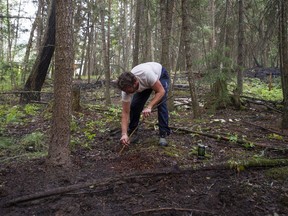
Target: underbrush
<point>18,137</point>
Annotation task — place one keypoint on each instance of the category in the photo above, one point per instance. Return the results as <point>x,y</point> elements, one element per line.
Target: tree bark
<point>188,55</point>
<point>240,62</point>
<point>137,34</point>
<point>284,59</point>
<point>166,14</point>
<point>105,56</point>
<point>59,153</point>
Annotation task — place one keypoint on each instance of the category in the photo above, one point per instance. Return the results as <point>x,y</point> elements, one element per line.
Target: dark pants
<point>138,103</point>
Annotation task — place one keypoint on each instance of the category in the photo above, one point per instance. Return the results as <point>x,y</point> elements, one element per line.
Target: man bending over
<point>136,87</point>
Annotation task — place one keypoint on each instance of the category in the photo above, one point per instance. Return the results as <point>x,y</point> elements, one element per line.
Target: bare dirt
<point>147,179</point>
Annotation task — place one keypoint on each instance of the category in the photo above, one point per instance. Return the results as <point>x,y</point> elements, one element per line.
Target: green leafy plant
<point>8,146</point>
<point>275,136</point>
<point>115,110</point>
<point>249,145</point>
<point>73,124</point>
<point>233,138</point>
<point>34,142</point>
<point>14,114</point>
<point>31,109</point>
<point>257,88</point>
<point>89,135</point>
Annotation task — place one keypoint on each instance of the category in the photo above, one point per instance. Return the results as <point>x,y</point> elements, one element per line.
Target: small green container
<point>201,151</point>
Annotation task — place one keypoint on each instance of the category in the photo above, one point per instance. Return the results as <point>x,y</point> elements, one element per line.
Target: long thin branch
<point>218,137</point>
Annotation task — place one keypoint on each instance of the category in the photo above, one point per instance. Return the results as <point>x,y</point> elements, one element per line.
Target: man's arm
<point>124,122</point>
<point>159,93</point>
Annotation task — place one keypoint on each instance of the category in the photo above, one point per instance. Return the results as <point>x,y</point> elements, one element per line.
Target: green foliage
<point>73,125</point>
<point>16,114</point>
<point>249,145</point>
<point>89,135</point>
<point>258,89</point>
<point>9,71</point>
<point>279,173</point>
<point>219,67</point>
<point>31,109</point>
<point>34,142</point>
<point>13,115</point>
<point>29,146</point>
<point>275,136</point>
<point>115,110</point>
<point>233,138</point>
<point>7,145</point>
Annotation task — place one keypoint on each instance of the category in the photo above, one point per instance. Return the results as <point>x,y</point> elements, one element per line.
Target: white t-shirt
<point>147,74</point>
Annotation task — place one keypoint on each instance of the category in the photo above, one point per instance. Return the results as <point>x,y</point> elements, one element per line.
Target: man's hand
<point>147,112</point>
<point>125,139</point>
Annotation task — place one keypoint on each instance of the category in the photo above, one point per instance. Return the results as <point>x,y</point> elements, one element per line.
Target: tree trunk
<point>105,48</point>
<point>166,14</point>
<point>29,45</point>
<point>59,153</point>
<point>240,48</point>
<point>220,95</point>
<point>188,52</point>
<point>284,59</point>
<point>39,71</point>
<point>137,33</point>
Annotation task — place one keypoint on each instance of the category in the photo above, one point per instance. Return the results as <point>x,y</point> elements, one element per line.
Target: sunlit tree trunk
<point>59,153</point>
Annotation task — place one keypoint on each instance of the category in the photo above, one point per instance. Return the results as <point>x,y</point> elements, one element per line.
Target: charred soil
<point>244,171</point>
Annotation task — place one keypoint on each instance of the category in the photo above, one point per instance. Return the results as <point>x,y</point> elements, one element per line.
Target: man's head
<point>127,82</point>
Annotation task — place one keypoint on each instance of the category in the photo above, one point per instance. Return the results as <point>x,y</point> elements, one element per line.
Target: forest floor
<point>244,171</point>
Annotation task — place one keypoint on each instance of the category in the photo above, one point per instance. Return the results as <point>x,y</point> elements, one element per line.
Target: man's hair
<point>126,79</point>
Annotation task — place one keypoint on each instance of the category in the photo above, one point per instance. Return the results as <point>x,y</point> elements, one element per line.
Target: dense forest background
<point>223,35</point>
<point>60,110</point>
<point>97,40</point>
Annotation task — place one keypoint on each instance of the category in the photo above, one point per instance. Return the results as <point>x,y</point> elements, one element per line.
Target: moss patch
<point>280,173</point>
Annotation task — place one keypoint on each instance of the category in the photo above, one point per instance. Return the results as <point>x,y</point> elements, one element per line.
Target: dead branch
<point>264,128</point>
<point>217,137</point>
<point>260,102</point>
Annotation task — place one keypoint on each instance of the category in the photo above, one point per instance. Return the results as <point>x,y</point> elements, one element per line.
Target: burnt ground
<point>146,179</point>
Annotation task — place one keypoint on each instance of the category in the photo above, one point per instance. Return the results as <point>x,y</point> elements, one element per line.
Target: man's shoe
<point>163,142</point>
